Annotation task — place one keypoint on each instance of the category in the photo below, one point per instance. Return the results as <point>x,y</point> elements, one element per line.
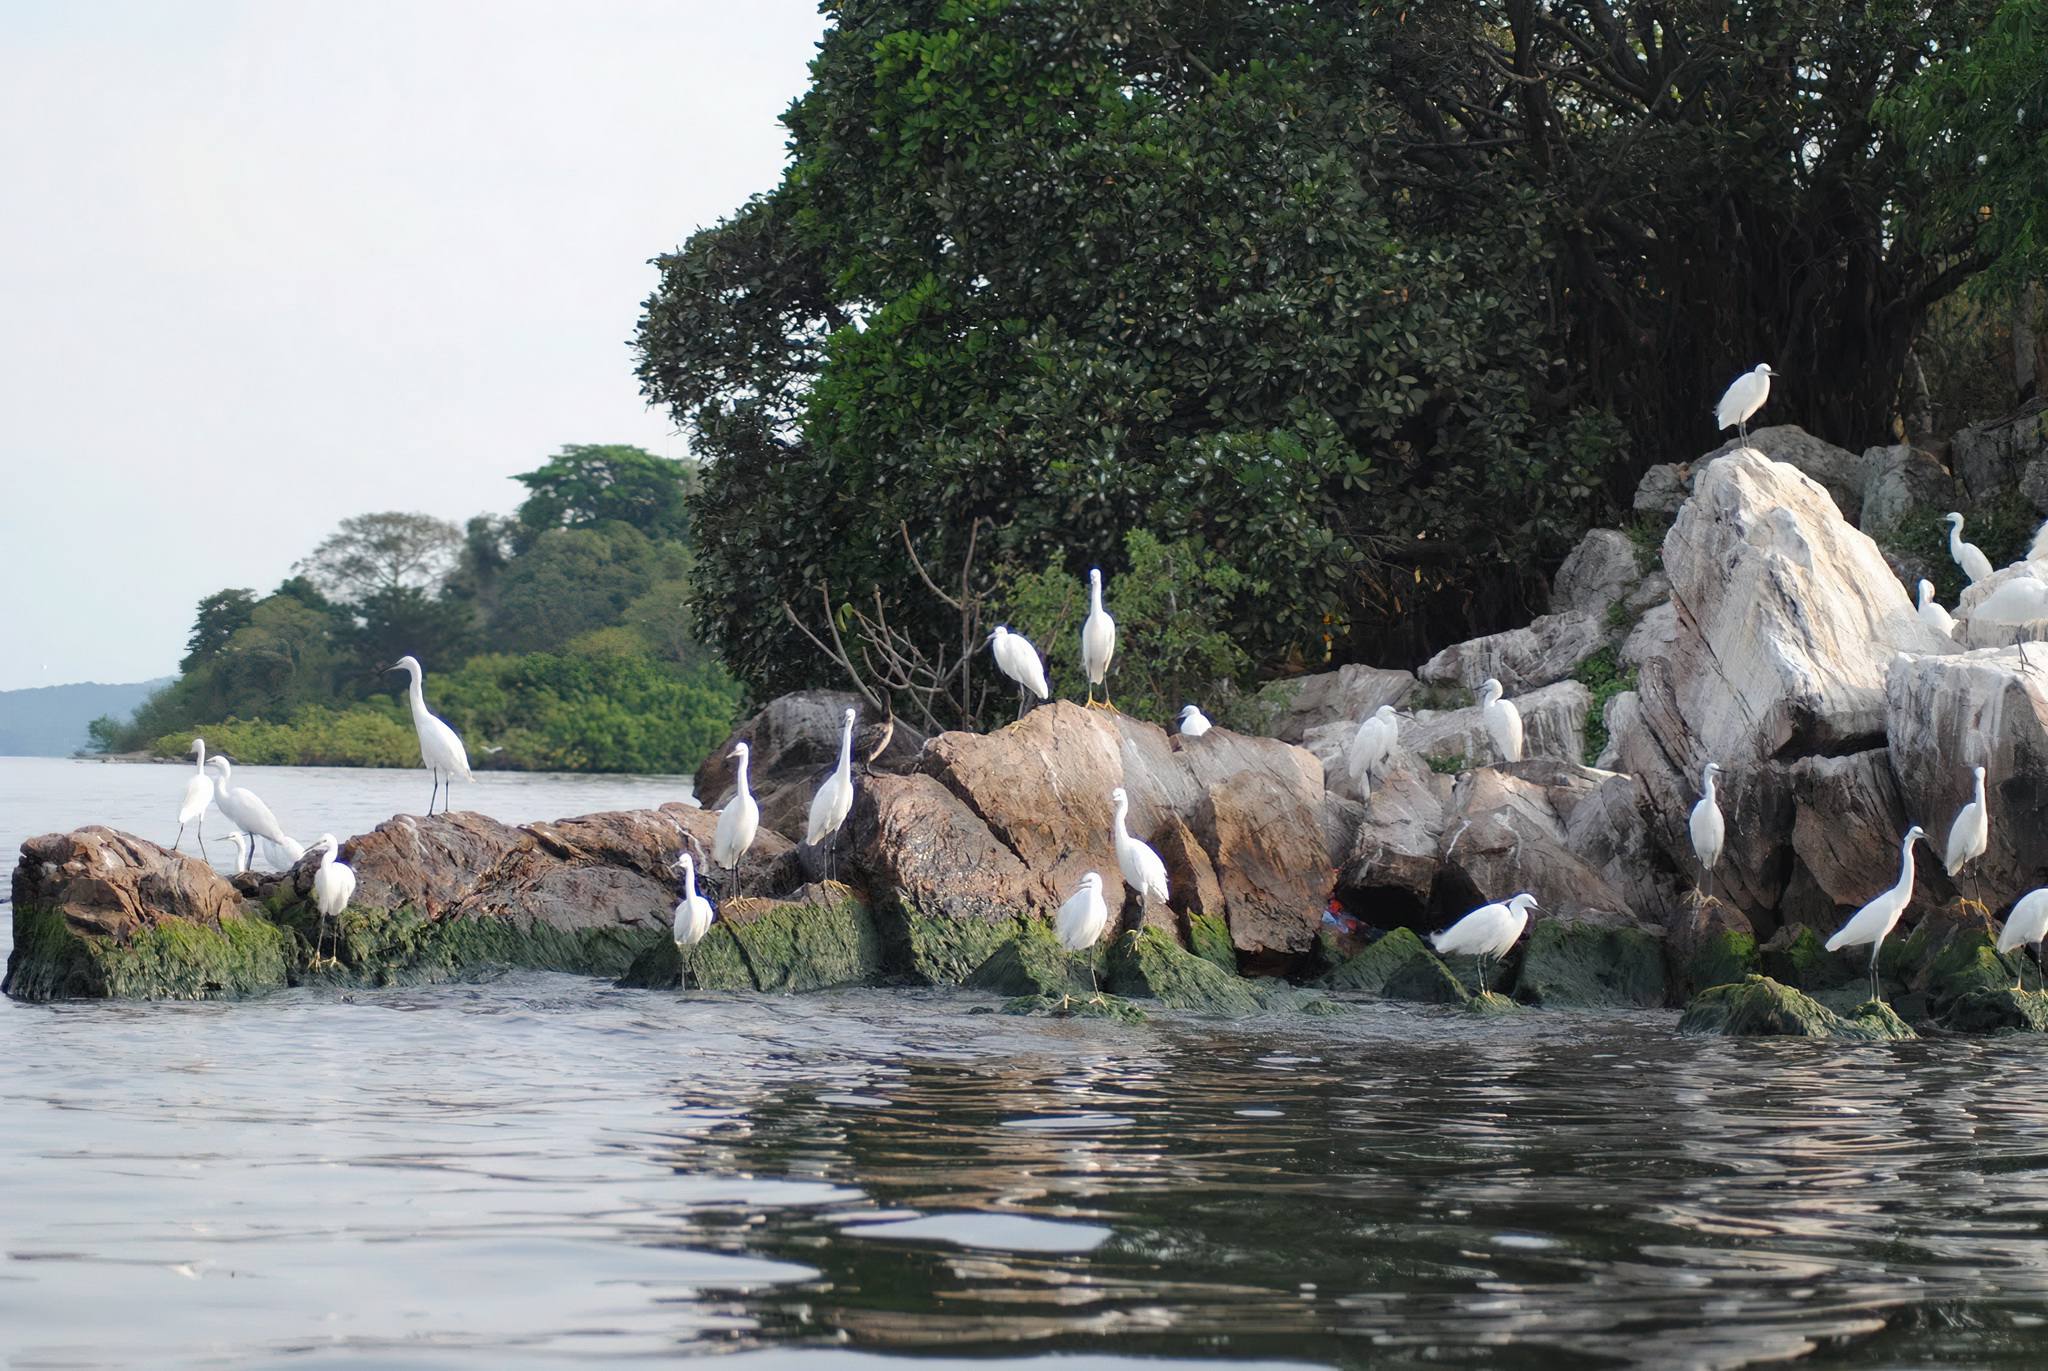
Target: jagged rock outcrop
<point>793,742</point>
<point>1293,708</point>
<point>1602,569</point>
<point>1546,650</point>
<point>1992,457</point>
<point>1502,835</point>
<point>1898,480</point>
<point>1553,725</point>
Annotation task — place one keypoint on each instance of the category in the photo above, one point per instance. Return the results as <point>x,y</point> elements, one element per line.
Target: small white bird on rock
<point>1932,614</point>
<point>1098,640</point>
<point>334,885</point>
<point>1968,556</point>
<point>1082,918</point>
<point>1970,834</point>
<point>1503,720</point>
<point>1488,931</point>
<point>1871,923</point>
<point>1743,398</point>
<point>1193,722</point>
<point>198,795</point>
<point>693,915</point>
<point>738,822</point>
<point>1709,829</point>
<point>2027,924</point>
<point>1373,745</point>
<point>1017,659</point>
<point>1142,869</point>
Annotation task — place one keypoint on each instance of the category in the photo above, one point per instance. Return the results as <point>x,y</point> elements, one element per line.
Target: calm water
<point>541,1171</point>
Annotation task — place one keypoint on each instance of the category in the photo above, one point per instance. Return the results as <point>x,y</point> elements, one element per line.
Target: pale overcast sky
<point>266,265</point>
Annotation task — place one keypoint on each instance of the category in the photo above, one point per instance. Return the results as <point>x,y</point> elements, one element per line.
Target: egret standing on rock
<point>2028,923</point>
<point>1871,923</point>
<point>1932,614</point>
<point>244,807</point>
<point>835,797</point>
<point>1372,745</point>
<point>1970,834</point>
<point>440,746</point>
<point>1082,918</point>
<point>198,795</point>
<point>1098,640</point>
<point>1018,660</point>
<point>1744,398</point>
<point>1193,722</point>
<point>737,822</point>
<point>1488,931</point>
<point>1503,720</point>
<point>1142,870</point>
<point>1968,556</point>
<point>1709,830</point>
<point>693,916</point>
<point>334,885</point>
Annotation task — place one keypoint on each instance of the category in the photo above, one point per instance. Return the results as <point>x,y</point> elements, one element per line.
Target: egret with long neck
<point>1098,641</point>
<point>440,746</point>
<point>737,822</point>
<point>834,798</point>
<point>198,795</point>
<point>1708,829</point>
<point>1871,923</point>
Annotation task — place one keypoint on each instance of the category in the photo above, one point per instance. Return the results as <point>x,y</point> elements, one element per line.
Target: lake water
<point>541,1170</point>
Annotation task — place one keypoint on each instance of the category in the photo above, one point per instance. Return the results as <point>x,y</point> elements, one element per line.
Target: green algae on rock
<point>1032,962</point>
<point>1209,939</point>
<point>1146,964</point>
<point>2003,1010</point>
<point>1723,957</point>
<point>170,959</point>
<point>1760,1007</point>
<point>822,939</point>
<point>1577,965</point>
<point>1398,967</point>
<point>1083,1006</point>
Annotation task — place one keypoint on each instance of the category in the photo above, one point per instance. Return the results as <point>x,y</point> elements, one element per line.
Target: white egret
<point>2027,923</point>
<point>2017,602</point>
<point>1970,834</point>
<point>1503,720</point>
<point>1193,722</point>
<point>835,797</point>
<point>1932,614</point>
<point>1871,923</point>
<point>1709,829</point>
<point>1372,745</point>
<point>737,822</point>
<point>198,795</point>
<point>1142,869</point>
<point>244,807</point>
<point>693,915</point>
<point>243,849</point>
<point>1968,556</point>
<point>1744,398</point>
<point>1082,918</point>
<point>334,885</point>
<point>1018,660</point>
<point>440,746</point>
<point>1098,640</point>
<point>1488,931</point>
<point>282,853</point>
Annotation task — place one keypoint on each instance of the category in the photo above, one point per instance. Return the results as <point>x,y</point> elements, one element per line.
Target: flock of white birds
<point>1489,931</point>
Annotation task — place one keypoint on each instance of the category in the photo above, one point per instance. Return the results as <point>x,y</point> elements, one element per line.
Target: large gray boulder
<point>1603,568</point>
<point>1900,479</point>
<point>1994,456</point>
<point>1553,725</point>
<point>1785,623</point>
<point>1842,473</point>
<point>1292,708</point>
<point>1502,834</point>
<point>1546,650</point>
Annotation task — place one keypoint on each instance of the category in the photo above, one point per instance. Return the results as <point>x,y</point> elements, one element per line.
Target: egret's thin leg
<point>179,840</point>
<point>2020,644</point>
<point>1873,969</point>
<point>202,838</point>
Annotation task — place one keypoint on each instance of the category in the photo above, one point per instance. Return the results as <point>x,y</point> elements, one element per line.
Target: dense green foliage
<point>576,605</point>
<point>1377,306</point>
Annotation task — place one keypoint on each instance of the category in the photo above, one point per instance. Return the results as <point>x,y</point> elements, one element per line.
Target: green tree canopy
<point>378,554</point>
<point>594,483</point>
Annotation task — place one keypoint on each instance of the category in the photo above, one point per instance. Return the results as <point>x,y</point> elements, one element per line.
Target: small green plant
<point>1606,676</point>
<point>1439,697</point>
<point>1446,765</point>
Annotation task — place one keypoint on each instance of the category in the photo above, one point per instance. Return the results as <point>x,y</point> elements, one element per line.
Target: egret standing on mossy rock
<point>835,797</point>
<point>1098,640</point>
<point>1709,829</point>
<point>738,822</point>
<point>440,746</point>
<point>198,795</point>
<point>1488,931</point>
<point>1017,659</point>
<point>1744,398</point>
<point>334,885</point>
<point>1970,834</point>
<point>1871,923</point>
<point>1968,556</point>
<point>693,916</point>
<point>1503,720</point>
<point>1082,918</point>
<point>1142,869</point>
<point>2028,923</point>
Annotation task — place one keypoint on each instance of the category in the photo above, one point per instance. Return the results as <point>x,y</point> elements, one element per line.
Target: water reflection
<point>543,1170</point>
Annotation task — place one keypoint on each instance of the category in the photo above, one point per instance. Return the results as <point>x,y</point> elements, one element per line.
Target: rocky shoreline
<point>1764,630</point>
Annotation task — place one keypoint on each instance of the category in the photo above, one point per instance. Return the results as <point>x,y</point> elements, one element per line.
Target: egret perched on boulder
<point>1932,614</point>
<point>1968,556</point>
<point>1193,722</point>
<point>1871,923</point>
<point>738,822</point>
<point>1372,745</point>
<point>1503,720</point>
<point>1970,834</point>
<point>244,807</point>
<point>1744,398</point>
<point>835,797</point>
<point>693,915</point>
<point>440,746</point>
<point>198,795</point>
<point>1098,640</point>
<point>1709,829</point>
<point>1017,659</point>
<point>1488,931</point>
<point>1081,920</point>
<point>334,885</point>
<point>1142,869</point>
<point>2027,923</point>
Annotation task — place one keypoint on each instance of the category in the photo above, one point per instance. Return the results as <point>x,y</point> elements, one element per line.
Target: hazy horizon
<point>271,266</point>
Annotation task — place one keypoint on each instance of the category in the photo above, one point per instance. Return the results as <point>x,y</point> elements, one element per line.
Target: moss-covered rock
<point>1085,1006</point>
<point>778,946</point>
<point>1591,966</point>
<point>1998,1011</point>
<point>1797,956</point>
<point>1399,967</point>
<point>1032,962</point>
<point>1209,939</point>
<point>375,947</point>
<point>1492,1002</point>
<point>1723,957</point>
<point>1146,964</point>
<point>938,949</point>
<point>1951,954</point>
<point>1758,1006</point>
<point>170,959</point>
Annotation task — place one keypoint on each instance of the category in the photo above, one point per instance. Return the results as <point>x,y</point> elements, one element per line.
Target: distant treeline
<point>559,638</point>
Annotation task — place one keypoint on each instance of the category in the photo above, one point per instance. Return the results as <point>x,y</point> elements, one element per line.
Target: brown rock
<point>1502,836</point>
<point>917,845</point>
<point>108,883</point>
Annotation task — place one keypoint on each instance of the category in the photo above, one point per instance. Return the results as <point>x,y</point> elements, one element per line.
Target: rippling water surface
<point>542,1170</point>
